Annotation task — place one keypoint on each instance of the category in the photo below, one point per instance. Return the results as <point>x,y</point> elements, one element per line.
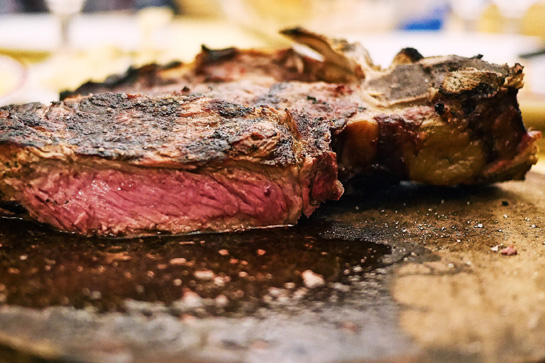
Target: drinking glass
<point>468,11</point>
<point>513,11</point>
<point>65,10</point>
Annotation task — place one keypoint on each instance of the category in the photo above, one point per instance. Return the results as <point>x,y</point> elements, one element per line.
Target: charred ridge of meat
<point>170,130</point>
<point>215,55</point>
<point>147,76</point>
<point>210,67</point>
<point>423,97</point>
<point>407,56</point>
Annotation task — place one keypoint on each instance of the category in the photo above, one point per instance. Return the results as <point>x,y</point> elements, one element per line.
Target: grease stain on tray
<point>217,274</point>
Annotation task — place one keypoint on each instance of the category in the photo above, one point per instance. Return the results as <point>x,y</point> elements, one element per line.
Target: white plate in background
<point>13,75</point>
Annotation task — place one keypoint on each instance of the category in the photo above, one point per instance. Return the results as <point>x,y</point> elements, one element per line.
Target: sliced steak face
<point>123,165</point>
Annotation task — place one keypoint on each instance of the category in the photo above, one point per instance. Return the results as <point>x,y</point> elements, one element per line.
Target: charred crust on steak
<point>407,56</point>
<point>463,92</point>
<point>208,55</point>
<point>228,109</point>
<point>143,77</point>
<point>169,130</point>
<point>283,79</point>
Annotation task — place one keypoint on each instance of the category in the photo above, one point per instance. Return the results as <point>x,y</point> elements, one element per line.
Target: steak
<point>128,165</point>
<point>245,139</point>
<point>440,120</point>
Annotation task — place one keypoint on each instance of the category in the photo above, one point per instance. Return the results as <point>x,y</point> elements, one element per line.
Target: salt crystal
<point>204,274</point>
<point>221,300</point>
<point>289,285</point>
<point>312,279</point>
<point>191,299</point>
<point>178,261</point>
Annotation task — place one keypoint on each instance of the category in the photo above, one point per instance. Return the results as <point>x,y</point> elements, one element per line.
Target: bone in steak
<point>243,139</point>
<point>439,120</point>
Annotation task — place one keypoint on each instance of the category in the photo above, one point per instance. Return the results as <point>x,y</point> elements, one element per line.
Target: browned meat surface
<point>440,120</point>
<point>117,164</point>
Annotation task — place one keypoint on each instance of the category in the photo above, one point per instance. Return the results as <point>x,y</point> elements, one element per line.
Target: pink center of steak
<point>128,202</point>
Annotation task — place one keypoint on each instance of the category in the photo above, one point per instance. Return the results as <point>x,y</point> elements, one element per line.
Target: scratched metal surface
<point>321,291</point>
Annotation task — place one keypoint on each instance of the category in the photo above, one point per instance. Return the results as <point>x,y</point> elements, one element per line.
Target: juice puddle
<point>214,274</point>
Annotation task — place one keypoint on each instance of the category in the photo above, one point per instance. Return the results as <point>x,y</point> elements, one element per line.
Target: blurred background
<point>47,46</point>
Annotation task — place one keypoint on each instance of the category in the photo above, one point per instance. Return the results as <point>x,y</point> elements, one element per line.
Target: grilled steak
<point>244,139</point>
<point>117,164</point>
<point>440,120</point>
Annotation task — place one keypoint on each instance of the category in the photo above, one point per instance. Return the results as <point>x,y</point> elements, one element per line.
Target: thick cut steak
<point>243,138</point>
<point>439,120</point>
<point>123,165</point>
